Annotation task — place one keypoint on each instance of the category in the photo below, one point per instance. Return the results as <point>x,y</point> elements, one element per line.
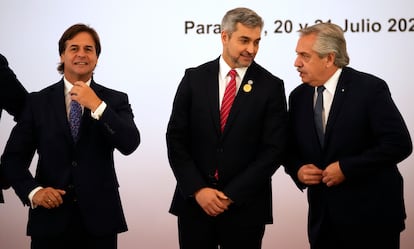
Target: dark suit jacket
<point>367,134</point>
<point>246,154</point>
<point>87,165</point>
<point>12,96</point>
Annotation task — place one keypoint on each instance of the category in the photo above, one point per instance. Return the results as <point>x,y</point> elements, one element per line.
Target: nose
<point>81,53</point>
<point>252,48</point>
<point>298,62</point>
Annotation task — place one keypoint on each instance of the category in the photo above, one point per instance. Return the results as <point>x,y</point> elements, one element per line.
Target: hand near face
<point>85,96</point>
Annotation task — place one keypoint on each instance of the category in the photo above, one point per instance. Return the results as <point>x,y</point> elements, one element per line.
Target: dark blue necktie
<point>318,115</point>
<point>75,115</point>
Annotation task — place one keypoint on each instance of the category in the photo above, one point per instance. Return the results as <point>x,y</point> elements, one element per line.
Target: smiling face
<point>240,47</point>
<point>79,57</point>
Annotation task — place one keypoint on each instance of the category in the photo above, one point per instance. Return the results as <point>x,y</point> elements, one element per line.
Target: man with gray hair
<point>225,140</point>
<point>346,137</point>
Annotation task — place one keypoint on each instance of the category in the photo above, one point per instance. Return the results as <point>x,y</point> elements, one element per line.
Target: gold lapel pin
<point>248,87</point>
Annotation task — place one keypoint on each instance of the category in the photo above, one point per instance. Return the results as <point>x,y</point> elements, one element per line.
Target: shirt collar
<point>224,69</point>
<point>331,84</point>
<point>68,85</point>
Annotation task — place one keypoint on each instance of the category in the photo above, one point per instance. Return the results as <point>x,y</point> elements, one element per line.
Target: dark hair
<point>72,32</point>
<point>241,15</point>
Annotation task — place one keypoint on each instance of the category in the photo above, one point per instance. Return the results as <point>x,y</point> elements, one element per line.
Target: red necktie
<point>228,99</point>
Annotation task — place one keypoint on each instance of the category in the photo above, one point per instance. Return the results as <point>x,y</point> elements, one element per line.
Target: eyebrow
<point>249,38</point>
<point>86,46</point>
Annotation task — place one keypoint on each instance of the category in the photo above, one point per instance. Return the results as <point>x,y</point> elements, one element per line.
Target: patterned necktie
<point>75,115</point>
<point>228,99</point>
<point>318,115</point>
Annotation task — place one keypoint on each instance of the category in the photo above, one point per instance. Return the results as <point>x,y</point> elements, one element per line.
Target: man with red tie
<point>225,139</point>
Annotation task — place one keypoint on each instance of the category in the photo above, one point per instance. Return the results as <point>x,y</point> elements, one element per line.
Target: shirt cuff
<point>31,194</point>
<point>99,111</point>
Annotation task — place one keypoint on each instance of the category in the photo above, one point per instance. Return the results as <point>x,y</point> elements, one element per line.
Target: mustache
<point>247,54</point>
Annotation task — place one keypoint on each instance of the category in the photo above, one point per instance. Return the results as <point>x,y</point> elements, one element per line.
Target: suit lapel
<point>59,108</point>
<point>57,95</point>
<point>212,90</point>
<point>341,91</point>
<point>307,112</point>
<point>87,119</point>
<point>241,96</point>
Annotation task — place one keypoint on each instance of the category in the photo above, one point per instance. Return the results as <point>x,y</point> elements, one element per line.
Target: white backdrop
<point>145,50</point>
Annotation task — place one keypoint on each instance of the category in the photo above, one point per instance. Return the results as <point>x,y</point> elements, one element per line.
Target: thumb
<point>61,192</point>
<point>221,195</point>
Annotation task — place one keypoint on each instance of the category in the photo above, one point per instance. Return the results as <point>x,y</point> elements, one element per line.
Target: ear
<point>330,59</point>
<point>224,36</point>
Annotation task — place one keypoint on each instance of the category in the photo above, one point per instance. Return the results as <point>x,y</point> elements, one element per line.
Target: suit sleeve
<point>390,140</point>
<point>13,93</point>
<point>118,124</point>
<point>18,155</point>
<point>178,141</point>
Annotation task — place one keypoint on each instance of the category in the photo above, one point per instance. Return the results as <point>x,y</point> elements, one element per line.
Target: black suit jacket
<point>87,165</point>
<point>12,96</point>
<point>246,154</point>
<point>367,134</point>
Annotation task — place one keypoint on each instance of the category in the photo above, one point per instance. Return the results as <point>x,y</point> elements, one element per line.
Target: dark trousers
<point>209,233</point>
<point>75,236</point>
<point>357,237</point>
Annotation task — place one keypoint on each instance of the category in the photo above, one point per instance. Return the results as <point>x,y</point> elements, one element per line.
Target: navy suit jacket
<point>366,133</point>
<point>12,97</point>
<point>246,154</point>
<point>87,165</point>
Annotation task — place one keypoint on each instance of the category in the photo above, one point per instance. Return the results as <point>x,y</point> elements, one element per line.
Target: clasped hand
<point>212,201</point>
<point>309,174</point>
<point>48,197</point>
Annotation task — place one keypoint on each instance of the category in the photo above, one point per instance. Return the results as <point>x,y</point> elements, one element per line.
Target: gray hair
<point>245,16</point>
<point>329,39</point>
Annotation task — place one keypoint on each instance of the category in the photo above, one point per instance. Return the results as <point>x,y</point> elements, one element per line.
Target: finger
<point>47,204</point>
<point>53,197</point>
<point>73,94</point>
<point>222,196</point>
<point>218,208</point>
<point>79,83</point>
<point>209,211</point>
<point>58,196</point>
<point>331,183</point>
